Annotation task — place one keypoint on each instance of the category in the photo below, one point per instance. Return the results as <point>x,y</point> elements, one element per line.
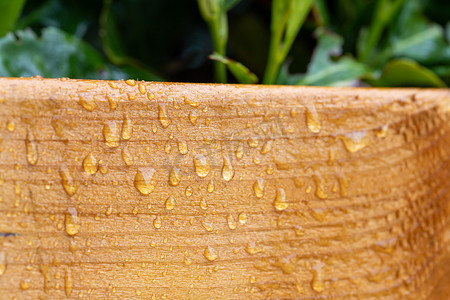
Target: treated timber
<point>126,189</point>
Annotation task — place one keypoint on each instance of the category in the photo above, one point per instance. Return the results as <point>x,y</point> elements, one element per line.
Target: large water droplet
<point>267,147</point>
<point>90,164</point>
<point>231,222</point>
<point>312,119</point>
<point>174,176</point>
<point>207,225</point>
<point>280,200</point>
<point>32,151</point>
<point>127,157</point>
<point>320,193</point>
<point>67,181</point>
<point>163,116</point>
<point>252,142</point>
<point>227,170</point>
<point>111,134</point>
<point>87,104</point>
<point>202,165</point>
<point>355,141</point>
<point>193,116</point>
<point>258,187</point>
<point>157,222</point>
<point>317,282</point>
<point>240,151</point>
<point>210,253</point>
<point>243,218</point>
<point>127,128</point>
<point>145,180</point>
<point>210,186</point>
<point>182,147</point>
<point>170,203</point>
<point>72,222</point>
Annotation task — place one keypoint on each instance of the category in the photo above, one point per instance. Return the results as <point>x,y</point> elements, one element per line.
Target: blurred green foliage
<point>319,42</point>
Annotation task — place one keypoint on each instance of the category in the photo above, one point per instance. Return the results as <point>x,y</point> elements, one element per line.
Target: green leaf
<point>9,12</point>
<point>115,51</point>
<point>229,4</point>
<point>54,54</point>
<point>241,72</point>
<point>325,71</point>
<point>406,73</point>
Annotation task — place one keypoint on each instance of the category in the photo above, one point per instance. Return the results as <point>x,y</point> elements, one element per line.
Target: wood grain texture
<point>184,191</point>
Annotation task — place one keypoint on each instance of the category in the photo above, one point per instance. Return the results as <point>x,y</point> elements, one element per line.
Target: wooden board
<point>198,191</point>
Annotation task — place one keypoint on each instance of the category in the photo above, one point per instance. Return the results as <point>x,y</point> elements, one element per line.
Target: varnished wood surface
<point>120,190</point>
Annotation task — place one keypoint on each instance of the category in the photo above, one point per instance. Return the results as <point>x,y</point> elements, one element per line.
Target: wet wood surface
<point>127,189</point>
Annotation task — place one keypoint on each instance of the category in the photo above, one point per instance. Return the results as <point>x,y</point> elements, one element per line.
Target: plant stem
<point>219,46</point>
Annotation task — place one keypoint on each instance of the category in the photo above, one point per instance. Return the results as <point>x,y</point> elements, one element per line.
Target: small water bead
<point>227,170</point>
<point>163,116</point>
<point>145,180</point>
<point>193,116</point>
<point>90,164</point>
<point>355,141</point>
<point>113,102</point>
<point>194,102</point>
<point>182,147</point>
<point>312,119</point>
<point>267,147</point>
<point>202,165</point>
<point>127,157</point>
<point>207,225</point>
<point>280,200</point>
<point>170,203</point>
<point>174,176</point>
<point>68,285</point>
<point>240,151</point>
<point>320,193</point>
<point>258,188</point>
<point>157,222</point>
<point>127,128</point>
<point>111,134</point>
<point>317,283</point>
<point>130,82</point>
<point>109,211</point>
<point>72,222</point>
<point>187,261</point>
<point>11,126</point>
<point>67,181</point>
<point>203,204</point>
<point>167,147</point>
<point>2,262</point>
<point>210,186</point>
<point>31,146</point>
<point>252,248</point>
<point>25,284</point>
<point>231,222</point>
<point>210,253</point>
<point>87,104</point>
<point>382,132</point>
<point>252,142</point>
<point>243,218</point>
<point>188,191</point>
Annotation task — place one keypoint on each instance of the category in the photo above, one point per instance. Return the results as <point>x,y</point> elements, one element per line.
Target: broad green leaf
<point>9,12</point>
<point>54,54</point>
<point>229,4</point>
<point>325,71</point>
<point>406,72</point>
<point>241,72</point>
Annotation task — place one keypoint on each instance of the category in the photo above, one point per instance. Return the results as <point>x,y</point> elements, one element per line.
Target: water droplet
<point>109,211</point>
<point>267,147</point>
<point>187,261</point>
<point>202,165</point>
<point>174,176</point>
<point>167,147</point>
<point>67,181</point>
<point>252,142</point>
<point>111,134</point>
<point>88,105</point>
<point>231,222</point>
<point>157,222</point>
<point>227,170</point>
<point>32,151</point>
<point>2,262</point>
<point>162,115</point>
<point>127,128</point>
<point>242,218</point>
<point>203,204</point>
<point>188,191</point>
<point>72,222</point>
<point>299,231</point>
<point>130,82</point>
<point>355,141</point>
<point>252,248</point>
<point>343,185</point>
<point>210,186</point>
<point>113,102</point>
<point>320,193</point>
<point>192,102</point>
<point>25,284</point>
<point>280,200</point>
<point>312,119</point>
<point>90,164</point>
<point>382,132</point>
<point>193,116</point>
<point>142,88</point>
<point>182,147</point>
<point>68,286</point>
<point>240,151</point>
<point>127,157</point>
<point>170,203</point>
<point>11,126</point>
<point>258,188</point>
<point>207,225</point>
<point>145,180</point>
<point>317,282</point>
<point>210,253</point>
